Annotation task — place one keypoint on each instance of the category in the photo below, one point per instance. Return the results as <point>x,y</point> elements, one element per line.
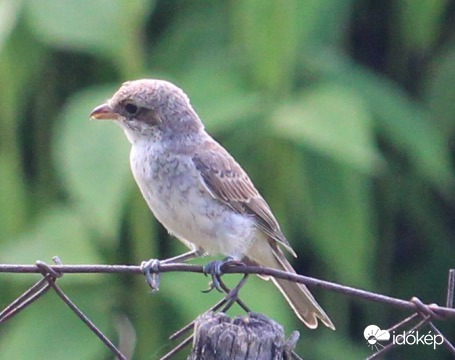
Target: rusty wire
<point>423,313</point>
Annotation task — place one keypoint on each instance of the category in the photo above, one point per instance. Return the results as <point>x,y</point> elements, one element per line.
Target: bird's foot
<point>214,269</point>
<point>151,271</point>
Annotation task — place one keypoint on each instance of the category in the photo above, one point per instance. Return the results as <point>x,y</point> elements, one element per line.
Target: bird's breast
<point>174,191</point>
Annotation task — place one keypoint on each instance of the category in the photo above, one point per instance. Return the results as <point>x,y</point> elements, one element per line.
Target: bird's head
<point>150,108</point>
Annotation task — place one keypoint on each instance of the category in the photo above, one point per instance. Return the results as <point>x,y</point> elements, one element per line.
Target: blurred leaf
<point>332,120</point>
<point>9,13</point>
<point>441,91</point>
<point>271,33</point>
<point>105,27</point>
<point>404,122</point>
<point>70,26</point>
<point>57,231</point>
<point>92,158</point>
<point>421,22</point>
<point>408,126</point>
<point>322,21</point>
<point>183,46</point>
<point>13,197</point>
<point>267,32</point>
<point>21,59</point>
<point>221,100</point>
<point>48,329</point>
<point>340,219</point>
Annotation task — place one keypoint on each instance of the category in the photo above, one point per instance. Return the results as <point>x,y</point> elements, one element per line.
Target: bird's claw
<point>214,269</point>
<point>210,288</point>
<point>151,271</point>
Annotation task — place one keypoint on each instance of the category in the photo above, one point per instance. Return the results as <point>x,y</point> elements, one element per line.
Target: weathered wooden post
<point>252,336</point>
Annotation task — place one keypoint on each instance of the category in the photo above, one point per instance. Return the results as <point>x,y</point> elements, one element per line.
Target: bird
<point>197,190</point>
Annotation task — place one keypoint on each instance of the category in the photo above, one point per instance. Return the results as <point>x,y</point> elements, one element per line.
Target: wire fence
<point>423,314</point>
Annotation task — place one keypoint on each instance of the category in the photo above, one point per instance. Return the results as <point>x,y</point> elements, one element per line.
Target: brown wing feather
<point>228,182</point>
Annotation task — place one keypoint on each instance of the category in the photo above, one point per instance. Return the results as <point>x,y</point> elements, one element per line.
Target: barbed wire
<point>424,314</point>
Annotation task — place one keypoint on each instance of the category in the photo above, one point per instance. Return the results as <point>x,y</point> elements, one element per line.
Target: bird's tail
<point>298,296</point>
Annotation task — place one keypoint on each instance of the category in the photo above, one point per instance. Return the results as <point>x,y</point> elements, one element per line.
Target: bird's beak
<point>103,112</point>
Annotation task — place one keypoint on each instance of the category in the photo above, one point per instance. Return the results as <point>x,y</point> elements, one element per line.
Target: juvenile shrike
<point>196,189</point>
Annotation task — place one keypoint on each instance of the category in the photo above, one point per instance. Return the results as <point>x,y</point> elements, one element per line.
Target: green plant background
<point>342,112</point>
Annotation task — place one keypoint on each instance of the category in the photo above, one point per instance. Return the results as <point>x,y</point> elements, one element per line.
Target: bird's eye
<point>131,108</point>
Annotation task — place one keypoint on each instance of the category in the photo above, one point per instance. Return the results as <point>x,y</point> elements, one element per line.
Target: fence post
<point>252,336</point>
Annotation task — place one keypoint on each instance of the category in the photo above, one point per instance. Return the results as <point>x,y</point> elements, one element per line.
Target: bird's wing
<point>228,182</point>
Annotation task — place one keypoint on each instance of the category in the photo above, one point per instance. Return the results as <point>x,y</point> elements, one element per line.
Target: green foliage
<point>97,181</point>
<point>342,131</point>
<point>342,112</point>
<point>57,230</point>
<point>49,330</point>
